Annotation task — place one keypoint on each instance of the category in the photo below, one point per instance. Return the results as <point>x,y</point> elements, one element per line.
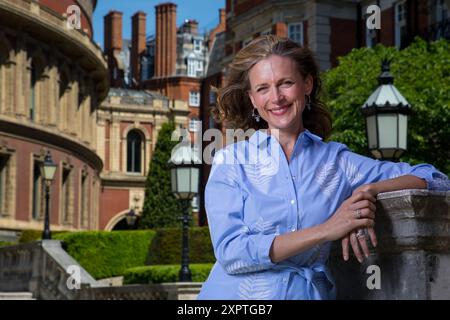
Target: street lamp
<point>131,218</point>
<point>48,169</point>
<point>386,112</point>
<point>184,167</point>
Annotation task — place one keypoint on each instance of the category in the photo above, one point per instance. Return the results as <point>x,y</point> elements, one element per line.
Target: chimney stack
<point>137,44</point>
<point>113,45</point>
<point>113,31</point>
<point>280,29</point>
<point>222,17</point>
<point>166,39</point>
<point>190,26</point>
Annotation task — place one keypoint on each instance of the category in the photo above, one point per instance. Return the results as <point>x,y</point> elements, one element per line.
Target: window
<point>3,187</point>
<point>371,37</point>
<point>212,97</point>
<point>38,191</point>
<point>33,80</point>
<point>84,199</point>
<point>191,68</point>
<point>195,204</point>
<point>194,125</point>
<point>197,45</point>
<point>295,32</point>
<point>134,151</point>
<point>441,10</point>
<point>66,200</point>
<point>194,98</point>
<point>400,25</point>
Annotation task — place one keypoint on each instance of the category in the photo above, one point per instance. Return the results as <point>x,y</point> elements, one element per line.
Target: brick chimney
<point>137,44</point>
<point>113,31</point>
<point>219,28</point>
<point>280,29</point>
<point>190,26</point>
<point>166,39</point>
<point>113,45</point>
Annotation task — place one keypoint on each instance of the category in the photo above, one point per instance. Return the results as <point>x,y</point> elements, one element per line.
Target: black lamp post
<point>386,112</point>
<point>48,169</point>
<point>184,171</point>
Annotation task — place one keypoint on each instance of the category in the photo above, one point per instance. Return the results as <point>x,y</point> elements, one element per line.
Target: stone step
<point>16,296</point>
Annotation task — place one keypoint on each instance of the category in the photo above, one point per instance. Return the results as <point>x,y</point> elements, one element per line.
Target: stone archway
<point>118,222</point>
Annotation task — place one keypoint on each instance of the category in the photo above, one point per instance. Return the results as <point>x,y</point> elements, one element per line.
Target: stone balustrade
<point>42,269</point>
<point>413,251</point>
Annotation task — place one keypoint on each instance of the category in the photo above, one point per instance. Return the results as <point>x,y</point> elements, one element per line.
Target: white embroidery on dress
<point>261,173</point>
<point>262,226</point>
<point>244,267</point>
<point>255,287</point>
<point>350,170</point>
<point>327,177</point>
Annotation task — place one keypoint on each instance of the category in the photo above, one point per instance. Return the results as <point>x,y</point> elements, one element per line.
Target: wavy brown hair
<point>233,103</point>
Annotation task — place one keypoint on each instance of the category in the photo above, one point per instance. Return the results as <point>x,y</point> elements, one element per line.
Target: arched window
<point>33,80</point>
<point>134,151</point>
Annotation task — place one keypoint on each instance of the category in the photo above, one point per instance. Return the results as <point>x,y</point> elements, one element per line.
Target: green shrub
<point>7,243</point>
<point>106,254</point>
<point>166,246</point>
<point>165,273</point>
<point>34,235</point>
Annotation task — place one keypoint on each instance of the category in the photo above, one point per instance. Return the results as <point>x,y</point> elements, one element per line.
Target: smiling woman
<point>272,222</point>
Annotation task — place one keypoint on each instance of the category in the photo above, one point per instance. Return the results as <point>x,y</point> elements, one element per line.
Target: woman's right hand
<point>347,219</point>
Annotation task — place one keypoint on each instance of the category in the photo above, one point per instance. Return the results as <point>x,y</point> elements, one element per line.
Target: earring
<point>308,102</point>
<point>256,115</point>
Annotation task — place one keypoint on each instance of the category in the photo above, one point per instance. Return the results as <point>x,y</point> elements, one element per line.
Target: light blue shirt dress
<point>254,194</point>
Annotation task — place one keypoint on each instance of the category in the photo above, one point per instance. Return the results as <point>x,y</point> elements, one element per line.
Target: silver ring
<point>361,233</point>
<point>358,214</point>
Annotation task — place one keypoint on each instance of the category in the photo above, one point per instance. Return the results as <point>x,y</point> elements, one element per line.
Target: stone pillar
<point>413,251</point>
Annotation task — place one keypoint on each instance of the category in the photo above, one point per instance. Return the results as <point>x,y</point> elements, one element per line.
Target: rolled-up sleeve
<point>237,248</point>
<point>363,170</point>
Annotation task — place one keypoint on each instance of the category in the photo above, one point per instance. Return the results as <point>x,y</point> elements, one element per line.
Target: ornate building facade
<point>55,97</point>
<point>52,80</point>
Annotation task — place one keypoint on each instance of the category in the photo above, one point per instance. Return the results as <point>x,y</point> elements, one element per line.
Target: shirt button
<point>284,279</point>
<point>292,201</point>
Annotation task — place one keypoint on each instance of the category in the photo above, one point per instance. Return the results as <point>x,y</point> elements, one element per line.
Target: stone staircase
<point>16,296</point>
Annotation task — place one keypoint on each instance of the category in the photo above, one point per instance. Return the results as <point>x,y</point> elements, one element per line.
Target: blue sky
<point>206,12</point>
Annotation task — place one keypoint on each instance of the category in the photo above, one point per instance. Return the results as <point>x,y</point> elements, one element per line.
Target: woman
<point>272,220</point>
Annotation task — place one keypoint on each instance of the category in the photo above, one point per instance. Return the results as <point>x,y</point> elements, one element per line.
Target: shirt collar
<point>261,136</point>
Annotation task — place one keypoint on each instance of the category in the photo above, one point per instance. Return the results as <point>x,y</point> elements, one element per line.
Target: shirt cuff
<point>435,180</point>
<point>264,246</point>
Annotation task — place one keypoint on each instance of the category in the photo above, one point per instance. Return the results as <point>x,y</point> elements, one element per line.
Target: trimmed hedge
<point>106,254</point>
<point>34,235</point>
<point>7,243</point>
<point>166,246</point>
<point>165,273</point>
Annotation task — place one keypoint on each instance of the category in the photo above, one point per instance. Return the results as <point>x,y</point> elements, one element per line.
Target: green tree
<point>421,73</point>
<point>161,208</point>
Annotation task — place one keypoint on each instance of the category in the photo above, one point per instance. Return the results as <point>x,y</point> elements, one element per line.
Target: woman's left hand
<point>359,244</point>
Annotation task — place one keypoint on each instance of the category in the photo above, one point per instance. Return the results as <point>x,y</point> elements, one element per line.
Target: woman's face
<point>277,90</point>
